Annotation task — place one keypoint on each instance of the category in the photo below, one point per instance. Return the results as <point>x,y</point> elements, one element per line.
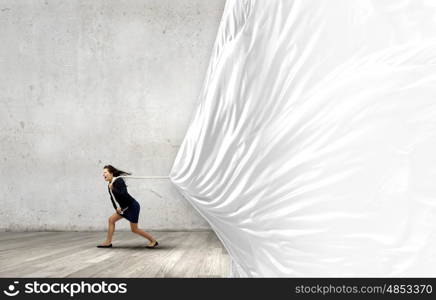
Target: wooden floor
<point>74,254</point>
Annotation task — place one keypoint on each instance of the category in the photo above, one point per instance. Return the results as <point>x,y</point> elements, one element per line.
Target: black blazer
<point>119,189</point>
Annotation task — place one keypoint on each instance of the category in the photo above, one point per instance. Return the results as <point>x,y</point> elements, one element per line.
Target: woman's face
<point>107,175</point>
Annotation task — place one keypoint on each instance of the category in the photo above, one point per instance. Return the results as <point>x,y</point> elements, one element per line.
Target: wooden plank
<point>74,254</point>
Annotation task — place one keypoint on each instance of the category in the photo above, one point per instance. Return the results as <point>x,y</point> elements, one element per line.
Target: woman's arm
<point>112,200</point>
<point>121,186</point>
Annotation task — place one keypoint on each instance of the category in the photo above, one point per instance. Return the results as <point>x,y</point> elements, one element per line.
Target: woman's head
<point>110,171</point>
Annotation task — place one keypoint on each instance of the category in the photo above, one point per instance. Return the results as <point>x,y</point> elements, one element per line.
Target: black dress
<point>129,206</point>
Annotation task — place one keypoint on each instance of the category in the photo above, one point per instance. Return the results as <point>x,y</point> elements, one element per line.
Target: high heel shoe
<point>105,246</point>
<point>154,246</point>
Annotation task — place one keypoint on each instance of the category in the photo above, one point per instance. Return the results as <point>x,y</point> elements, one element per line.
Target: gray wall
<point>87,83</point>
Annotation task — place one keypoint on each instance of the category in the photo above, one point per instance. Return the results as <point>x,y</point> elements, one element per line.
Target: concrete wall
<point>92,82</point>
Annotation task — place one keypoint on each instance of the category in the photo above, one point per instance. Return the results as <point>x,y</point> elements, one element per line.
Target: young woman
<point>128,206</point>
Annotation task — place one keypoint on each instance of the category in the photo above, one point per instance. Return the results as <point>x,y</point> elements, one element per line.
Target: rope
<point>145,177</point>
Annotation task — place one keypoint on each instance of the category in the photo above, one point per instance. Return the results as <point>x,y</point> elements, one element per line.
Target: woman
<point>129,207</point>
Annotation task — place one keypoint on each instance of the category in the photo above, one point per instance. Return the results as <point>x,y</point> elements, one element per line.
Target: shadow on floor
<point>138,247</point>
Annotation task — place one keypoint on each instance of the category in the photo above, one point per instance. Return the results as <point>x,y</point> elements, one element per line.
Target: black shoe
<point>103,246</point>
<point>154,246</point>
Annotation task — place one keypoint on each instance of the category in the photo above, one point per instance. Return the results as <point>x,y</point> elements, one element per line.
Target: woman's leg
<point>111,227</point>
<point>135,229</point>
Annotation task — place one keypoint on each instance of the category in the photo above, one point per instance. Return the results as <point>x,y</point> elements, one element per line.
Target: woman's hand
<point>118,210</point>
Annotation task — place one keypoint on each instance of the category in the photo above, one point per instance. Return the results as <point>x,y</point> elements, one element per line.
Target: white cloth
<point>312,151</point>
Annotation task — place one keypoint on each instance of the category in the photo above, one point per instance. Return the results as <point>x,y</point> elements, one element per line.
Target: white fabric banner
<point>313,148</point>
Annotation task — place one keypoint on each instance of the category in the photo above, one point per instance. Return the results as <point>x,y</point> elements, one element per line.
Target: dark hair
<point>115,171</point>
